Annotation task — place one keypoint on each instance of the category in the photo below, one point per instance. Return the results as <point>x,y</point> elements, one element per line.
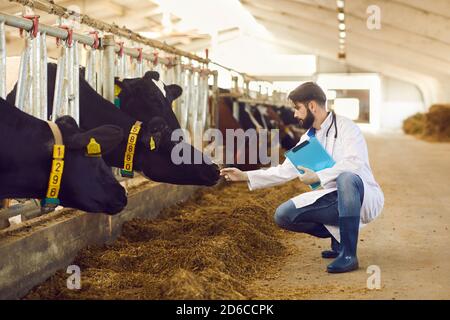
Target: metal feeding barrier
<point>104,58</point>
<point>31,95</point>
<point>2,60</point>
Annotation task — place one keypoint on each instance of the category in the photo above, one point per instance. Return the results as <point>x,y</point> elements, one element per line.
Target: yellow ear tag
<point>152,143</point>
<point>93,148</point>
<point>117,90</point>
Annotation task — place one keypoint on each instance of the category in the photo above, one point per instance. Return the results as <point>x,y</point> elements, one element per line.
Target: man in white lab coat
<point>349,198</point>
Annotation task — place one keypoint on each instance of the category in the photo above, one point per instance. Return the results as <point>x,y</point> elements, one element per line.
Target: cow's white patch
<point>160,85</point>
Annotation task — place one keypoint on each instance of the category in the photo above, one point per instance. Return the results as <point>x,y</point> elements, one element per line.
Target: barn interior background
<point>384,64</point>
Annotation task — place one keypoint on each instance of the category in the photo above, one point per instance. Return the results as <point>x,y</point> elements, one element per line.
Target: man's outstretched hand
<point>233,174</point>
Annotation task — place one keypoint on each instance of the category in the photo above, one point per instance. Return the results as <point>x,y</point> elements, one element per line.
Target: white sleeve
<point>353,159</point>
<point>272,176</point>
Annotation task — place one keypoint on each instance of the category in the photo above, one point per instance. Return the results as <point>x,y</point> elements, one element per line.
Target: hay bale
<point>431,126</point>
<point>437,123</point>
<point>415,124</point>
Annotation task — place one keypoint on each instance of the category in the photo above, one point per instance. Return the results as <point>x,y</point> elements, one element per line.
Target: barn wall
<point>399,100</point>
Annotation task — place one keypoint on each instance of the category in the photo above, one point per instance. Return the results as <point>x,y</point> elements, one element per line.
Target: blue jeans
<point>345,202</point>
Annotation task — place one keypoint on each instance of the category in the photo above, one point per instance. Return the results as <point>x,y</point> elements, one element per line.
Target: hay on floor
<point>207,248</point>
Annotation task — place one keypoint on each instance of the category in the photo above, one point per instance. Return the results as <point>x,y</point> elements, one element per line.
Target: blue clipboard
<point>310,154</point>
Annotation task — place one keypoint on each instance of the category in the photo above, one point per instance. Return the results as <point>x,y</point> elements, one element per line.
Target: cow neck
<point>18,128</point>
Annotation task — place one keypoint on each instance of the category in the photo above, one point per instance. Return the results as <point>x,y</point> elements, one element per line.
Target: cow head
<point>147,99</point>
<point>88,183</point>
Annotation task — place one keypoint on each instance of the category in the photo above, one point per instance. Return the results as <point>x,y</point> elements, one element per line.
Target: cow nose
<point>118,203</point>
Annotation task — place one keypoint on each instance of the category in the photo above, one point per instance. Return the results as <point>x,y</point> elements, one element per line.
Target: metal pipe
<point>23,73</point>
<point>52,8</point>
<point>139,69</point>
<point>69,75</point>
<point>2,60</point>
<point>28,102</point>
<point>120,66</point>
<point>132,70</point>
<point>35,75</point>
<point>76,82</point>
<point>90,71</point>
<point>170,75</point>
<point>203,99</point>
<point>108,67</point>
<point>186,99</point>
<point>99,87</point>
<point>193,107</point>
<point>134,53</point>
<point>43,78</point>
<point>145,67</point>
<point>178,74</point>
<point>56,32</point>
<point>215,101</point>
<point>162,72</point>
<point>126,67</point>
<point>59,85</point>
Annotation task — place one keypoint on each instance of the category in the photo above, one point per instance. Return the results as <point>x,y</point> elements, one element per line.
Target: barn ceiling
<point>412,45</point>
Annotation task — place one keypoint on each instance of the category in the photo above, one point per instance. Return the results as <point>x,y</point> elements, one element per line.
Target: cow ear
<point>127,85</point>
<point>173,91</point>
<point>108,136</point>
<point>119,85</point>
<point>152,75</point>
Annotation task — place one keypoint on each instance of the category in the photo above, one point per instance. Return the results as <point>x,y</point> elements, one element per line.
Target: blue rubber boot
<point>347,260</point>
<point>335,249</point>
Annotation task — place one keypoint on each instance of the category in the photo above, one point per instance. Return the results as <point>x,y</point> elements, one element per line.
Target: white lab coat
<point>349,150</point>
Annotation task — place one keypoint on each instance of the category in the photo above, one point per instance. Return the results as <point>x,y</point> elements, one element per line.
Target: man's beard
<point>308,121</point>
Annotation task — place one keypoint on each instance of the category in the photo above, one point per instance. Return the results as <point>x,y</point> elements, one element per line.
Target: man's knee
<point>347,180</point>
<point>350,183</point>
<point>282,213</point>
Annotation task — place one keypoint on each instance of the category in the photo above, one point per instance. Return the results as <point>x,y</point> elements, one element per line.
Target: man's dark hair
<point>308,91</point>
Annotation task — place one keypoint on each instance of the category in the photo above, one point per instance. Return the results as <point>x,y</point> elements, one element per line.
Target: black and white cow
<point>26,149</point>
<point>155,164</point>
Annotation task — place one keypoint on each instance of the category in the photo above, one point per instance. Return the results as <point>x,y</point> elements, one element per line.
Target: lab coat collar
<point>326,123</point>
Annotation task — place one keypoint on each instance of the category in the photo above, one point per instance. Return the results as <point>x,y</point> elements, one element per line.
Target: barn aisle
<point>409,242</point>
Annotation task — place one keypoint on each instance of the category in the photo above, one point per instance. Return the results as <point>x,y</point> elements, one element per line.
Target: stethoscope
<point>333,122</point>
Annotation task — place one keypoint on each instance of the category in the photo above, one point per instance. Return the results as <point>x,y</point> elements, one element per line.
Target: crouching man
<point>349,198</point>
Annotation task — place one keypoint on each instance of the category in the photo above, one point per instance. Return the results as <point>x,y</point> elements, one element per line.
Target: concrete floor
<point>409,242</point>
